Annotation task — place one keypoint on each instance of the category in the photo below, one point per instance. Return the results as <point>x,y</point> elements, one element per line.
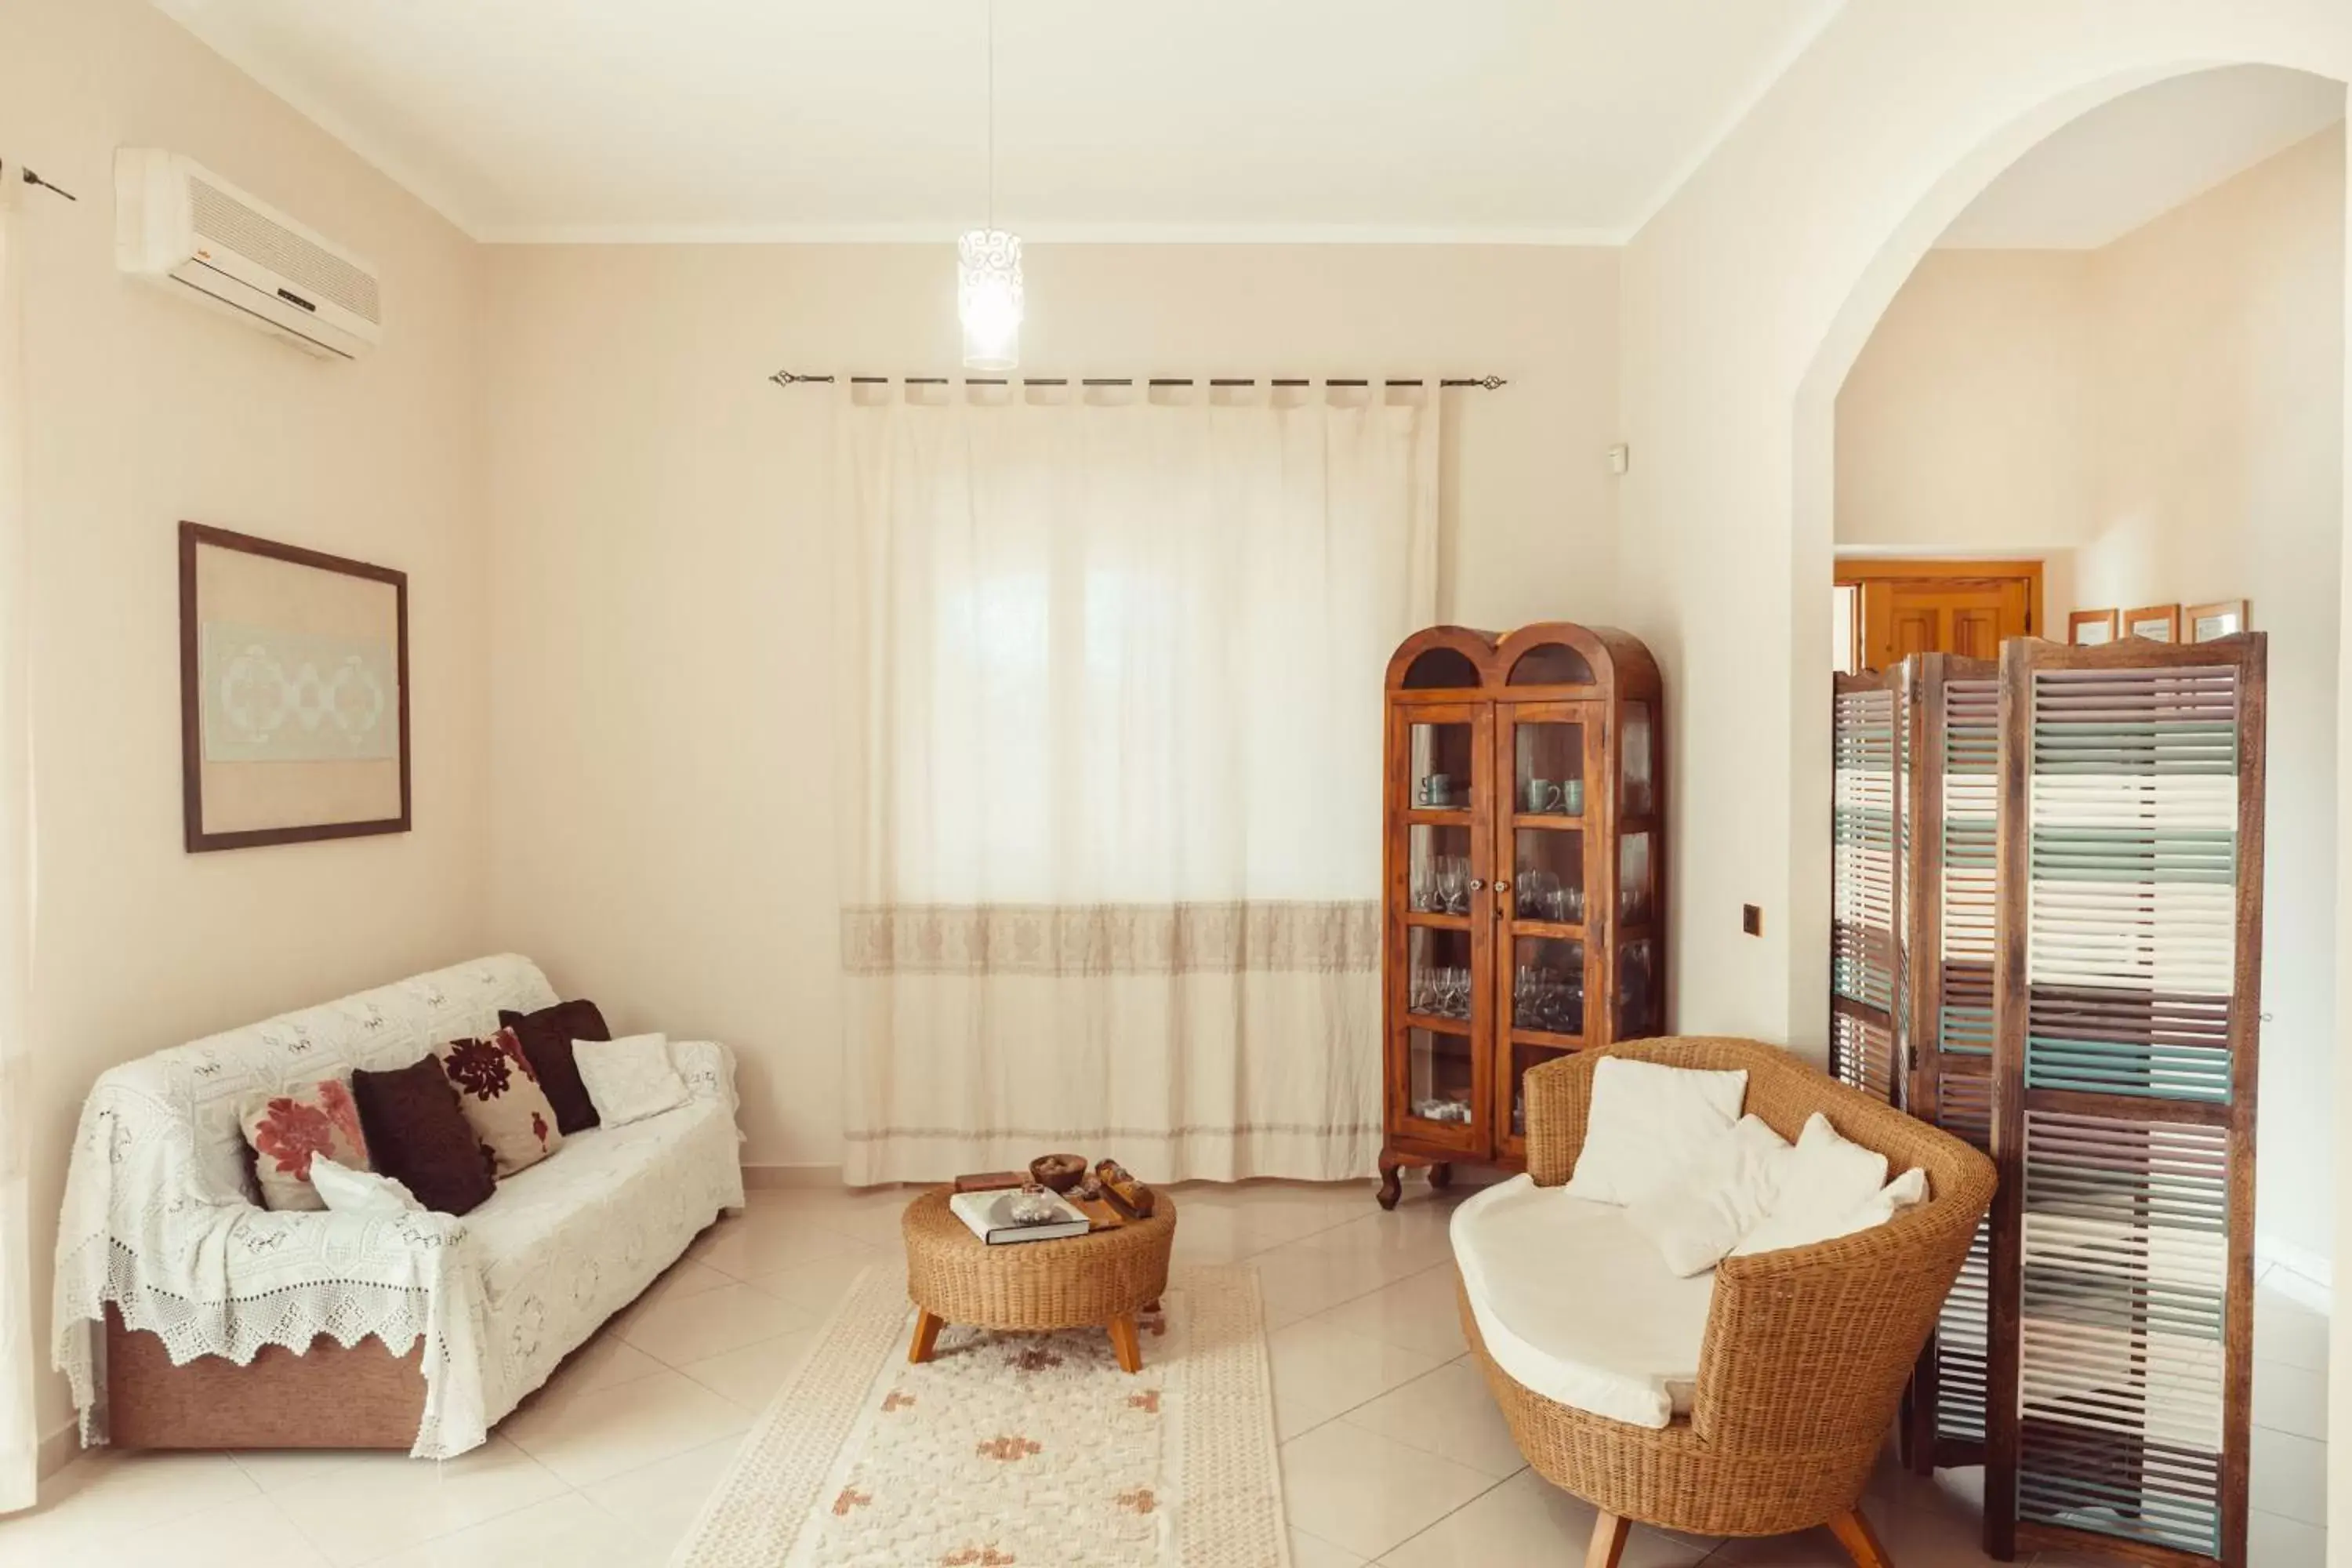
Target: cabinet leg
<point>1392,1180</point>
<point>926,1336</point>
<point>1441,1176</point>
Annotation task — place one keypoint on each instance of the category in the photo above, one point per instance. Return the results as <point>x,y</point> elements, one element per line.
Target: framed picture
<point>2089,628</point>
<point>2157,623</point>
<point>2224,617</point>
<point>293,693</point>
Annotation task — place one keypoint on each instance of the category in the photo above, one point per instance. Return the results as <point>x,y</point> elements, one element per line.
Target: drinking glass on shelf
<point>1571,904</point>
<point>1423,893</point>
<point>1453,884</point>
<point>1538,894</point>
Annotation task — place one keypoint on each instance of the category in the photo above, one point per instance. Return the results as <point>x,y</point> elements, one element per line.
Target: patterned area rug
<point>1013,1450</point>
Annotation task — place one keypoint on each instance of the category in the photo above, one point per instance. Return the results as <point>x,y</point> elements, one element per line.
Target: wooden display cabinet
<point>1523,877</point>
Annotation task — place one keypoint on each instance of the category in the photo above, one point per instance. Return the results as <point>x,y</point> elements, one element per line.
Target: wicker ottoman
<point>1098,1280</point>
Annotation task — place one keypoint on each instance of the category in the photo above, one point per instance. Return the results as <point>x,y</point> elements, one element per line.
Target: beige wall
<point>2169,413</point>
<point>1746,300</point>
<point>2221,399</point>
<point>660,770</point>
<point>144,410</point>
<point>1965,425</point>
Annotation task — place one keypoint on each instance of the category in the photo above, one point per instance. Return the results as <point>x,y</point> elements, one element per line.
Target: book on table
<point>988,1216</point>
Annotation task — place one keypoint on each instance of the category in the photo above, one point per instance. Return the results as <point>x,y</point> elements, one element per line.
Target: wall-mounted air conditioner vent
<point>191,231</point>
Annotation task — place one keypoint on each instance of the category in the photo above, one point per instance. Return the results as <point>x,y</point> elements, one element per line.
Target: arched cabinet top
<point>1447,659</point>
<point>1546,657</point>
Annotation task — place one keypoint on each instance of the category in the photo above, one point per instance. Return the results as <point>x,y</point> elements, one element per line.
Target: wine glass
<point>1454,883</point>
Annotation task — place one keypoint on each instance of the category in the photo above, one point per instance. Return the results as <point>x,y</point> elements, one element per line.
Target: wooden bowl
<point>1059,1172</point>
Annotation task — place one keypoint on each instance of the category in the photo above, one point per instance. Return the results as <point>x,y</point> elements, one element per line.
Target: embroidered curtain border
<point>1111,939</point>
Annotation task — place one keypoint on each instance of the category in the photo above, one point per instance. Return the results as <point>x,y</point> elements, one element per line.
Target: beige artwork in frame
<point>2222,618</point>
<point>2155,622</point>
<point>2090,628</point>
<point>293,693</point>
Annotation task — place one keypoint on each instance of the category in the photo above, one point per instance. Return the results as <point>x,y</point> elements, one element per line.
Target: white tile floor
<point>1392,1453</point>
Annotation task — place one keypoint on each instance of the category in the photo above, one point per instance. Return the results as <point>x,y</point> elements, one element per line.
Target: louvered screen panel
<point>2121,1328</point>
<point>1971,788</point>
<point>2123,1059</point>
<point>1865,730</point>
<point>1964,1108</point>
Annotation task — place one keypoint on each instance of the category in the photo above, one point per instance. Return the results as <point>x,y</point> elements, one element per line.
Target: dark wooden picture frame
<point>195,537</point>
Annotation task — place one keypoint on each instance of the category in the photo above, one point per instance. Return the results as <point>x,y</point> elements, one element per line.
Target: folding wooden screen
<point>1869,731</point>
<point>1948,1032</point>
<point>2127,971</point>
<point>1912,999</point>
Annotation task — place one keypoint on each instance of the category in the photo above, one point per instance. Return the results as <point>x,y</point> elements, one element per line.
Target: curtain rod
<point>793,378</point>
<point>30,178</point>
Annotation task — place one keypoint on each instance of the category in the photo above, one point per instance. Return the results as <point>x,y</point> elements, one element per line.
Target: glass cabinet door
<point>1440,1072</point>
<point>1548,763</point>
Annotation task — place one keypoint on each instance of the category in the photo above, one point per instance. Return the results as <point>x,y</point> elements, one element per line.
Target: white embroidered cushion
<point>346,1191</point>
<point>1823,1185</point>
<point>629,1078</point>
<point>1728,1189</point>
<point>1646,1125</point>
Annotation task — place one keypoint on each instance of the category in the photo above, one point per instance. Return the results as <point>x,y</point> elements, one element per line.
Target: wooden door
<point>1965,607</point>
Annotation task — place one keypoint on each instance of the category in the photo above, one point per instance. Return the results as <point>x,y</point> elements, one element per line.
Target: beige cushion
<point>286,1130</point>
<point>499,1094</point>
<point>1577,1306</point>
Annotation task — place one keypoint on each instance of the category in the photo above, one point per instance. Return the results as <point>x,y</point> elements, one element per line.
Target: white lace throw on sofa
<point>158,1220</point>
<point>1110,752</point>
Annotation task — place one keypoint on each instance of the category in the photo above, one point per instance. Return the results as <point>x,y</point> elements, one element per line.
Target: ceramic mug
<point>1541,796</point>
<point>1437,789</point>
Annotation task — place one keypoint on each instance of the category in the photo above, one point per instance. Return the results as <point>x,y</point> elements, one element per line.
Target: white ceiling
<point>2135,157</point>
<point>1500,120</point>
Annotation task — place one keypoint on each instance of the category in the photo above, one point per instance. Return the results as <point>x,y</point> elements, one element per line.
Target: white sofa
<point>160,1224</point>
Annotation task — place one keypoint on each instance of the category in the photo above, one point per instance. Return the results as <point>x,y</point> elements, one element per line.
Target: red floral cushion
<point>286,1130</point>
<point>497,1089</point>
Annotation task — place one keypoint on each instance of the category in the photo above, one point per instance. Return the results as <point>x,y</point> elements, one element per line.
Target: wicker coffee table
<point>1097,1280</point>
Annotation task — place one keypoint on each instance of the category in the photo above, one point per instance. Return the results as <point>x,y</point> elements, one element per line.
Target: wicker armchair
<point>1807,1349</point>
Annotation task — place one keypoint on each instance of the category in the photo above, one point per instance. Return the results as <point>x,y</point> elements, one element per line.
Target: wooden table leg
<point>926,1336</point>
<point>1124,1342</point>
<point>1608,1543</point>
<point>1854,1534</point>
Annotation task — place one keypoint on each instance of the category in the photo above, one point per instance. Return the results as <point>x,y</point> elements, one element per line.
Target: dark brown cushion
<point>547,1036</point>
<point>417,1135</point>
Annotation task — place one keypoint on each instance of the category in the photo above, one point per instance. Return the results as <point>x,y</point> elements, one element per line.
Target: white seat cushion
<point>571,1224</point>
<point>1576,1305</point>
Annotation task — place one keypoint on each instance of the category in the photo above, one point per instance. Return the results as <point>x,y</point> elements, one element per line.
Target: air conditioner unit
<point>197,235</point>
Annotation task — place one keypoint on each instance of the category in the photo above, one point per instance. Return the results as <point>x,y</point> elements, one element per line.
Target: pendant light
<point>988,265</point>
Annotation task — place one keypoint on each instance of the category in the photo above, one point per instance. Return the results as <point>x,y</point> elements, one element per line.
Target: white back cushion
<point>1726,1192</point>
<point>1647,1124</point>
<point>1825,1182</point>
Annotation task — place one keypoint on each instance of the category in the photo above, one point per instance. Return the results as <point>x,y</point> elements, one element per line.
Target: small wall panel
<point>2127,965</point>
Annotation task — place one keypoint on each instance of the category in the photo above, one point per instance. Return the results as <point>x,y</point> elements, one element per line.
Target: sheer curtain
<point>20,1438</point>
<point>1109,742</point>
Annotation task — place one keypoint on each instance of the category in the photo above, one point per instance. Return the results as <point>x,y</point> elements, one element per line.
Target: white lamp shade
<point>988,298</point>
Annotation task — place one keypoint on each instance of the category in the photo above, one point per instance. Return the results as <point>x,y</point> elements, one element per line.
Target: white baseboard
<point>769,1178</point>
<point>59,1449</point>
<point>2297,1273</point>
